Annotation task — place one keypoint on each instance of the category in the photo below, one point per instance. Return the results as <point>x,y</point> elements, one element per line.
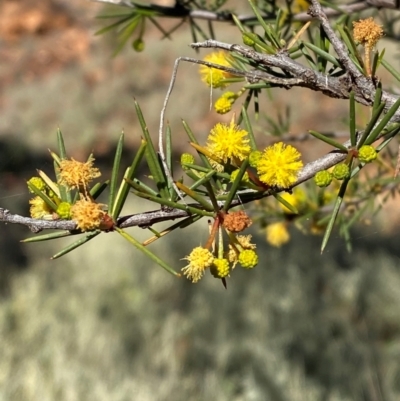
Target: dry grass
<point>104,324</point>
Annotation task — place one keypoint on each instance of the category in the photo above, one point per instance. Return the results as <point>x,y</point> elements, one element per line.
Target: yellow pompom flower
<point>76,174</point>
<point>88,215</point>
<point>279,165</point>
<point>277,234</point>
<point>199,260</point>
<point>40,209</point>
<point>228,142</point>
<point>213,76</point>
<point>367,31</point>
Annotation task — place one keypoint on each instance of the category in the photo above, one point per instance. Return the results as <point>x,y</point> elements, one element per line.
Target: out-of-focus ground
<point>105,323</point>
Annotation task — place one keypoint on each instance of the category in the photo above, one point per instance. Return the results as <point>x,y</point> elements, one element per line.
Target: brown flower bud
<point>237,221</point>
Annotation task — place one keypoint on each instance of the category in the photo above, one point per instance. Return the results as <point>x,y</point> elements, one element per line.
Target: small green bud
<point>248,258</point>
<point>64,210</point>
<point>220,268</point>
<point>38,183</point>
<point>254,158</point>
<point>234,174</point>
<point>232,96</point>
<point>247,39</point>
<point>138,45</point>
<point>187,158</point>
<point>341,171</point>
<point>323,178</point>
<point>223,105</point>
<point>367,154</point>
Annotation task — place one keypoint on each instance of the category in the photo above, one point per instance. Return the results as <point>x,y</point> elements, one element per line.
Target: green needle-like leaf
<point>98,189</point>
<point>141,187</point>
<point>351,46</point>
<point>249,129</point>
<point>127,33</point>
<point>49,182</point>
<point>115,24</point>
<point>77,244</point>
<point>285,203</point>
<point>168,156</point>
<point>382,124</point>
<point>388,138</point>
<point>235,185</point>
<point>323,54</point>
<point>206,178</point>
<point>352,117</point>
<point>50,236</point>
<point>374,118</point>
<point>61,145</point>
<point>308,57</point>
<point>42,195</point>
<point>193,139</point>
<point>174,205</point>
<point>269,33</point>
<point>375,63</point>
<point>329,141</point>
<point>378,96</point>
<point>196,196</point>
<point>391,69</point>
<point>153,161</point>
<point>146,251</point>
<point>124,187</point>
<point>114,173</point>
<point>334,215</point>
<point>203,158</point>
<point>238,23</point>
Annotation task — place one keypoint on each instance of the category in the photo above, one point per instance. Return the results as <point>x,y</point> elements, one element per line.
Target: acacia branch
<point>295,75</point>
<point>363,87</point>
<point>180,11</point>
<point>148,219</point>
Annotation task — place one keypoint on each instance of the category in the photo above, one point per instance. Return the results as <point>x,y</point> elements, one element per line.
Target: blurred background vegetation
<point>104,323</point>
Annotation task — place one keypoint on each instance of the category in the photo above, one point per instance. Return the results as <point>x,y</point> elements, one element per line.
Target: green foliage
<point>283,53</point>
<point>299,326</point>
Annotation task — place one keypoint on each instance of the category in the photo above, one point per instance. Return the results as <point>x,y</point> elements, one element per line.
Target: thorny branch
<point>148,219</point>
<point>180,11</point>
<point>303,76</point>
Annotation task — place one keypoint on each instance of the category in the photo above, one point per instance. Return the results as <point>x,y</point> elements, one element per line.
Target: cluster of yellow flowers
<point>227,147</point>
<point>277,166</point>
<point>217,78</point>
<point>222,260</point>
<point>72,174</point>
